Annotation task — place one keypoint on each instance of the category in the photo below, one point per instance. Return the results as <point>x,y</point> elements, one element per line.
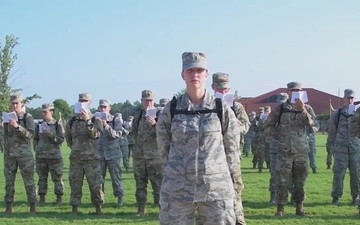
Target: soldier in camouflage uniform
<point>273,146</point>
<point>311,136</point>
<point>355,135</point>
<point>345,149</point>
<point>128,126</point>
<point>248,138</point>
<point>48,138</point>
<point>200,162</point>
<point>262,144</point>
<point>221,84</point>
<point>124,144</point>
<point>81,132</point>
<point>254,127</point>
<point>163,102</point>
<point>1,136</point>
<point>18,136</point>
<point>146,158</point>
<point>109,149</point>
<point>329,155</point>
<point>287,124</point>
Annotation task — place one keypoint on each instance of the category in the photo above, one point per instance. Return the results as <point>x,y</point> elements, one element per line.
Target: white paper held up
<point>81,105</point>
<point>12,116</point>
<point>151,112</point>
<point>101,115</point>
<point>302,95</point>
<point>229,99</point>
<point>5,117</point>
<point>352,109</point>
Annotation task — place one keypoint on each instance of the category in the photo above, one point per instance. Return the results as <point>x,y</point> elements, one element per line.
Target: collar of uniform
<point>52,121</point>
<point>206,103</point>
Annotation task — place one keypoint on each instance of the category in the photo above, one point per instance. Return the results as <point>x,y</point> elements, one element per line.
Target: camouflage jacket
<point>145,137</point>
<point>48,146</point>
<point>242,116</point>
<point>200,164</point>
<point>81,136</point>
<point>18,142</point>
<point>108,142</point>
<point>289,130</point>
<point>341,133</point>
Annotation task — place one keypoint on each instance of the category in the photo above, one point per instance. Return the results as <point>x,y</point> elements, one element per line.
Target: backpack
<point>218,110</point>
<point>23,119</point>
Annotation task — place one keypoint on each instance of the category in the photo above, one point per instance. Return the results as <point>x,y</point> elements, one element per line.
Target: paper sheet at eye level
<point>151,112</point>
<point>5,117</point>
<point>302,95</point>
<point>228,98</point>
<point>81,105</point>
<point>101,115</point>
<point>12,116</point>
<point>352,109</point>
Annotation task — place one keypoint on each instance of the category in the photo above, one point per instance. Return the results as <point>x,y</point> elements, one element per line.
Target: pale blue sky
<point>115,49</point>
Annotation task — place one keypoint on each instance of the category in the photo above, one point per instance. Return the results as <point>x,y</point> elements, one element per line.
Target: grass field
<point>255,199</point>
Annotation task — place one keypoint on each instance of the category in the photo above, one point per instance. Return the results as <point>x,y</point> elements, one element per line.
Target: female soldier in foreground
<point>200,162</point>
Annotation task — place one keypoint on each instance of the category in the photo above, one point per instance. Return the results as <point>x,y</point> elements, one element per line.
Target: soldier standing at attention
<point>146,158</point>
<point>248,138</point>
<point>287,124</point>
<point>47,144</point>
<point>81,132</point>
<point>198,138</point>
<point>221,84</point>
<point>255,128</point>
<point>128,126</point>
<point>18,136</point>
<point>109,148</point>
<point>345,149</point>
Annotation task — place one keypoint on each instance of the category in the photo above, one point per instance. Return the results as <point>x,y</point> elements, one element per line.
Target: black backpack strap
<point>338,118</point>
<point>23,119</point>
<point>72,121</point>
<point>219,112</point>
<point>172,107</point>
<point>138,121</point>
<point>281,112</point>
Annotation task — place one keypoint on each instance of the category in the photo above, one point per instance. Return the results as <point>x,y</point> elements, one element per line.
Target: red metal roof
<point>319,100</point>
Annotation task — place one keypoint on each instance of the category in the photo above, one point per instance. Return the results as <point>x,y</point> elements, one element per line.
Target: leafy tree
<point>63,108</point>
<point>7,62</point>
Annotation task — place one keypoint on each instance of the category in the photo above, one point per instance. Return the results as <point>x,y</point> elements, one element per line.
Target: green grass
<point>255,200</point>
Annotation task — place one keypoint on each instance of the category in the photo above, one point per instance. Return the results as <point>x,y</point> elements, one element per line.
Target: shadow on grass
<point>290,215</point>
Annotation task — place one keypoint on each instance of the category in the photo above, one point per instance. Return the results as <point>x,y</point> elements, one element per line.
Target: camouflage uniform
<point>329,154</point>
<point>131,141</point>
<point>200,162</point>
<point>256,139</point>
<point>124,144</point>
<point>311,136</point>
<point>346,151</point>
<point>248,139</point>
<point>355,149</point>
<point>18,154</point>
<point>84,158</point>
<point>146,158</point>
<point>48,155</point>
<point>262,145</point>
<point>1,137</point>
<point>110,153</point>
<point>288,127</point>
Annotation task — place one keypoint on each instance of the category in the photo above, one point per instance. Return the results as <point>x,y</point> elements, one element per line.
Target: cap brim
<point>147,98</point>
<point>222,85</point>
<point>195,65</point>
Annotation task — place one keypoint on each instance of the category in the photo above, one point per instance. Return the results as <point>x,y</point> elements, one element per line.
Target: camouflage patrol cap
<point>294,85</point>
<point>84,97</point>
<point>47,106</point>
<point>193,60</point>
<point>261,109</point>
<point>349,93</point>
<point>104,102</point>
<point>282,97</point>
<point>267,108</point>
<point>163,101</point>
<point>147,95</point>
<point>16,98</point>
<point>221,80</point>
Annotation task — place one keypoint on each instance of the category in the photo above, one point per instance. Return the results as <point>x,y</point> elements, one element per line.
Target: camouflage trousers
<point>210,213</point>
<point>248,145</point>
<point>131,148</point>
<point>92,170</point>
<point>262,151</point>
<point>255,144</point>
<point>291,167</point>
<point>115,173</point>
<point>144,170</point>
<point>272,183</point>
<point>312,151</point>
<point>55,167</point>
<point>26,166</point>
<point>343,161</point>
<point>329,156</point>
<point>125,155</point>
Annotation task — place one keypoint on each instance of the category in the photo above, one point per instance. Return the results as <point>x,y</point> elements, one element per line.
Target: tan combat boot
<point>300,210</point>
<point>74,210</point>
<point>280,211</point>
<point>98,210</point>
<point>58,200</point>
<point>141,210</point>
<point>42,200</point>
<point>9,208</point>
<point>32,208</point>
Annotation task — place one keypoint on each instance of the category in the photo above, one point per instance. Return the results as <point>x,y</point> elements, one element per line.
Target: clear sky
<point>114,49</point>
